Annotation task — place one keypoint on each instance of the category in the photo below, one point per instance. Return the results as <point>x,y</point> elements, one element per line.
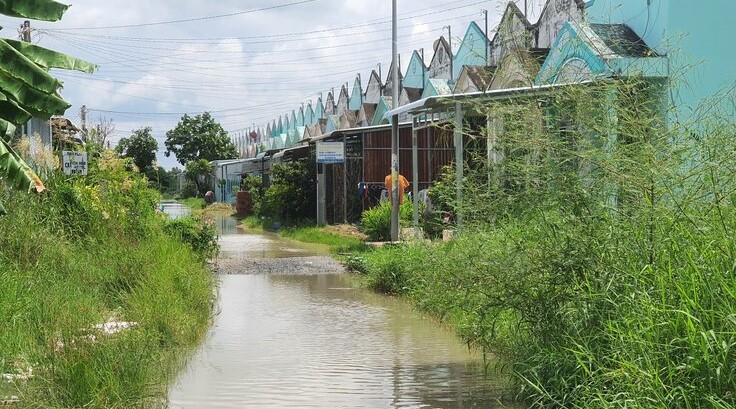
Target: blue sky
<point>246,62</point>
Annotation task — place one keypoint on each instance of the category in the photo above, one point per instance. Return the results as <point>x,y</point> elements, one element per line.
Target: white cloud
<point>257,61</point>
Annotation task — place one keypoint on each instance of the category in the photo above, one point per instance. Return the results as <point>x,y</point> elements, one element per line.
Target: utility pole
<point>449,41</point>
<point>83,114</point>
<point>485,15</point>
<point>25,36</point>
<point>394,128</point>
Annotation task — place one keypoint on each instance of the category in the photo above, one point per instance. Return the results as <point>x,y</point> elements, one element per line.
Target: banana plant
<point>27,89</point>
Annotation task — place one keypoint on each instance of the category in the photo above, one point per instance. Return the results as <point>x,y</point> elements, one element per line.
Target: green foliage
<point>597,257</point>
<point>86,251</point>
<point>141,146</point>
<point>377,221</point>
<point>290,198</point>
<point>197,232</point>
<point>199,137</point>
<point>198,171</point>
<point>253,184</point>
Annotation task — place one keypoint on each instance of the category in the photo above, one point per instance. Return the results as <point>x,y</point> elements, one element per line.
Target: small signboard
<point>330,152</point>
<point>74,163</point>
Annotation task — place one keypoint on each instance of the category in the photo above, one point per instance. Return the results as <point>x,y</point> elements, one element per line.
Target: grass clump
<point>89,252</point>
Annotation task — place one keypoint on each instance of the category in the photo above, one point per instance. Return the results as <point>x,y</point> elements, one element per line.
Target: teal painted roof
<point>472,50</point>
<point>384,105</point>
<point>416,72</point>
<point>356,98</point>
<point>435,87</point>
<point>583,52</point>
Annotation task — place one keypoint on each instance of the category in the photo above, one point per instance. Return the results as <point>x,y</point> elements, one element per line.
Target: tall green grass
<point>89,251</point>
<point>598,262</point>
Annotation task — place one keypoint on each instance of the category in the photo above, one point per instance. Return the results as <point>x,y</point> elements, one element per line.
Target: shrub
<point>290,197</point>
<point>200,234</point>
<point>377,221</point>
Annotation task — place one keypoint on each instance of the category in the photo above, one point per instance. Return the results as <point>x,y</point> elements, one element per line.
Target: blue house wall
<point>694,35</point>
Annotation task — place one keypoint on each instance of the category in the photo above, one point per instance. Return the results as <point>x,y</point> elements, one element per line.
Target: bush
<point>290,198</point>
<point>200,234</point>
<point>377,221</point>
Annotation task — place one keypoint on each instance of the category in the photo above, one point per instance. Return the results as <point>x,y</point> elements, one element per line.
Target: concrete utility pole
<point>395,128</point>
<point>449,42</point>
<point>485,15</point>
<point>83,114</point>
<point>25,36</point>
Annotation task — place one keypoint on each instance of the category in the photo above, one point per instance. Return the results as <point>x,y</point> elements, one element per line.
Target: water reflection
<point>313,342</point>
<point>174,209</point>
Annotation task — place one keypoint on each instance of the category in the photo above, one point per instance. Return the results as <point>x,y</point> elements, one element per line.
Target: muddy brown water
<point>316,341</point>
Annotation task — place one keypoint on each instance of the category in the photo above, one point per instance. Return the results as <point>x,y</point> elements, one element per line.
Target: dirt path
<point>258,254</point>
<point>281,266</point>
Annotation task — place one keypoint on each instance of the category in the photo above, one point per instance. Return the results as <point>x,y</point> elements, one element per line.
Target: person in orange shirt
<point>403,184</point>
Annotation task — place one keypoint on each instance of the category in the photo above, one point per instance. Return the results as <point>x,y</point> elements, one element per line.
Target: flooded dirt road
<point>309,339</point>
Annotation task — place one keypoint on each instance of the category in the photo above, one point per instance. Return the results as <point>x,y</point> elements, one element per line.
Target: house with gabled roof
<point>441,65</point>
<point>319,110</point>
<point>388,86</point>
<point>373,90</point>
<point>518,68</point>
<point>366,114</point>
<point>356,97</point>
<point>333,123</point>
<point>514,32</point>
<point>416,72</point>
<point>300,117</point>
<point>384,105</point>
<point>586,51</point>
<point>330,108</point>
<point>343,101</point>
<point>474,50</point>
<point>473,79</point>
<point>553,17</point>
<point>309,117</point>
<point>436,87</point>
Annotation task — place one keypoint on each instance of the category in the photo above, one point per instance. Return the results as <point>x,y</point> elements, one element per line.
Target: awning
<point>442,101</point>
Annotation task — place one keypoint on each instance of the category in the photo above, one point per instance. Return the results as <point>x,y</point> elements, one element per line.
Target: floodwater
<point>174,209</point>
<point>314,341</point>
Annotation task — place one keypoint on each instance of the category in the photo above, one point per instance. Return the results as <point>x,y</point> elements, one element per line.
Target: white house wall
<point>555,14</point>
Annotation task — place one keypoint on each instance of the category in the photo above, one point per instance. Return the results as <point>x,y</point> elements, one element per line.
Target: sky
<point>244,62</point>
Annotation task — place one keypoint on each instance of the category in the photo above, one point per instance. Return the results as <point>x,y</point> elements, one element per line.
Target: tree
<point>199,137</point>
<point>27,89</point>
<point>102,131</point>
<point>198,170</point>
<point>141,147</point>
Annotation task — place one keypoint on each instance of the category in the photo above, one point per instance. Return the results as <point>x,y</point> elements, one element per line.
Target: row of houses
<point>573,41</point>
<point>472,67</point>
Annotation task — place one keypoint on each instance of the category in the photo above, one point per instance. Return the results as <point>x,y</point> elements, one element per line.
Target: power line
<point>189,20</point>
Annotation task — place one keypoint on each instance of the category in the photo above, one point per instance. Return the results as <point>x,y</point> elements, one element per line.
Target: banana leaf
<point>46,10</point>
<point>11,112</point>
<point>16,172</point>
<point>17,66</point>
<point>37,103</point>
<point>46,58</point>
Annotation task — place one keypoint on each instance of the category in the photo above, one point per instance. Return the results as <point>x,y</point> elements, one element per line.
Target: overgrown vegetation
<point>377,221</point>
<point>597,256</point>
<point>290,196</point>
<point>99,303</point>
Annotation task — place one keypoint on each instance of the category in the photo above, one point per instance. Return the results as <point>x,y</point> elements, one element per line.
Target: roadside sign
<point>74,163</point>
<point>330,152</point>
